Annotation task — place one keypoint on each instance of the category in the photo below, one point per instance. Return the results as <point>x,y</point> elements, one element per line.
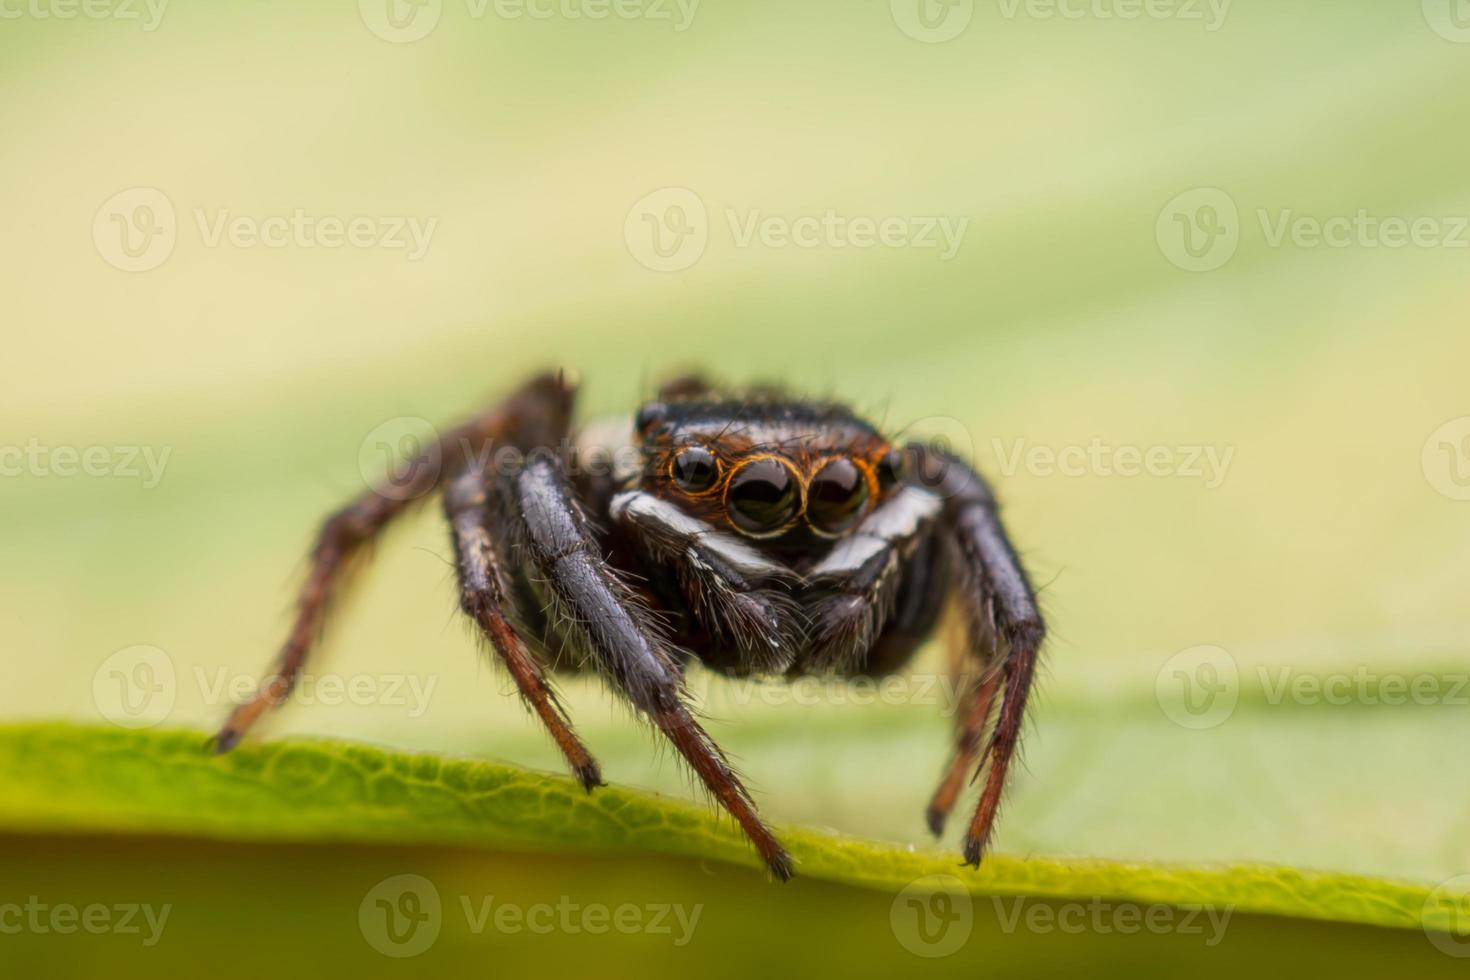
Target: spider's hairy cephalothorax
<point>757,534</point>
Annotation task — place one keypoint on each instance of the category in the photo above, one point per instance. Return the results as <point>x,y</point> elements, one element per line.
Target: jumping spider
<point>758,534</point>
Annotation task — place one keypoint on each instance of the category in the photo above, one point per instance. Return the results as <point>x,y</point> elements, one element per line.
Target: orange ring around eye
<point>752,525</point>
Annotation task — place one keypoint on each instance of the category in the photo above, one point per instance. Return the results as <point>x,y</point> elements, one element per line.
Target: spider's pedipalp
<point>739,594</point>
<point>857,583</point>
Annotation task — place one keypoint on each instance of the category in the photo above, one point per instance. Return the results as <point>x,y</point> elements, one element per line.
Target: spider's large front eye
<point>836,497</point>
<point>695,469</point>
<point>762,496</point>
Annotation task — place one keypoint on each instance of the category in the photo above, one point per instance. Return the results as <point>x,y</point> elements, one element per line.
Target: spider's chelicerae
<point>758,534</point>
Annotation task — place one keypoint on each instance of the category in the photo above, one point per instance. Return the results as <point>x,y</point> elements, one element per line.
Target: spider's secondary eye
<point>648,414</point>
<point>695,469</point>
<point>762,496</point>
<point>890,470</point>
<point>836,496</point>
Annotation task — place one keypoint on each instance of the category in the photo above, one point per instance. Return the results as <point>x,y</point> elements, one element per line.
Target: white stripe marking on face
<point>901,518</point>
<point>639,507</point>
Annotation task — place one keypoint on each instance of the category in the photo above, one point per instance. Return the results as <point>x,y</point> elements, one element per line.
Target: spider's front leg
<point>620,634</point>
<point>483,589</point>
<point>1005,632</point>
<point>539,409</point>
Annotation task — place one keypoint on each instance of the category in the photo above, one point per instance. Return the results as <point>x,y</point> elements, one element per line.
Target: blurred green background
<point>582,187</point>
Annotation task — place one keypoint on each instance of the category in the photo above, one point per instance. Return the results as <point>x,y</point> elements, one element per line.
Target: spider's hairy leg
<point>483,598</point>
<point>536,414</point>
<point>738,594</point>
<point>970,723</point>
<point>857,582</point>
<point>1021,628</point>
<point>1001,614</point>
<point>923,592</point>
<point>621,636</point>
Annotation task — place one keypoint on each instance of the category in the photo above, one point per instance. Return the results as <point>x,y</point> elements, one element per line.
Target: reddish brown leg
<point>340,538</point>
<point>1021,631</point>
<point>538,413</point>
<point>710,765</point>
<point>483,598</point>
<point>974,714</point>
<point>1000,616</point>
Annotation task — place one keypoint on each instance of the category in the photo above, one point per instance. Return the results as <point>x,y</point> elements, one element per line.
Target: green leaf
<point>88,780</point>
